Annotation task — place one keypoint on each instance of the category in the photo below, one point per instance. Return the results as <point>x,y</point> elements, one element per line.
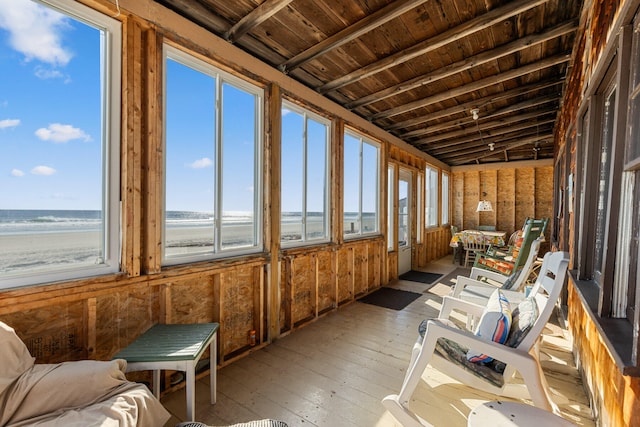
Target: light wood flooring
<point>335,371</point>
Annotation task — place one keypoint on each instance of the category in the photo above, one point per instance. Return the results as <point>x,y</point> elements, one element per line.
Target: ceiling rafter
<point>456,33</point>
<point>477,103</point>
<point>476,85</point>
<point>352,32</point>
<point>254,18</point>
<point>472,152</point>
<point>470,122</point>
<point>454,145</point>
<point>467,64</point>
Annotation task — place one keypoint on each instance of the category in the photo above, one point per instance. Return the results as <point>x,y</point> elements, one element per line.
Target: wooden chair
<point>444,346</point>
<point>473,244</point>
<point>481,282</point>
<point>456,250</point>
<point>515,256</point>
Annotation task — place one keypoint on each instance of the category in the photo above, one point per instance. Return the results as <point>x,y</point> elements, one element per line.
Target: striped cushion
<point>494,324</point>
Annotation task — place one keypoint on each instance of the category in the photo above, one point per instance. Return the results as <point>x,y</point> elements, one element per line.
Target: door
<point>404,221</point>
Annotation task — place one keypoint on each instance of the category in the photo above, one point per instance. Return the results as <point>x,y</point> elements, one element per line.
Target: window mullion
<point>217,184</point>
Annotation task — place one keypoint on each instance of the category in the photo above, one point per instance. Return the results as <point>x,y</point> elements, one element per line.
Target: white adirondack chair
<point>519,353</point>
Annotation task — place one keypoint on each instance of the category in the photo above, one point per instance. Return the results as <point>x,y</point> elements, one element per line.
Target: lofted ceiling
<point>419,68</point>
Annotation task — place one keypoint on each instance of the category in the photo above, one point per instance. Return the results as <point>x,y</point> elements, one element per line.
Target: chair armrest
<point>488,274</point>
<point>462,282</point>
<point>450,303</point>
<point>468,339</point>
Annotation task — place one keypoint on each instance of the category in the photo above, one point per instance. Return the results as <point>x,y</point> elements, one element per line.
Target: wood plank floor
<point>335,371</point>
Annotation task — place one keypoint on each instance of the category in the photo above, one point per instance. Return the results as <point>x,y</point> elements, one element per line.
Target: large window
<point>431,198</point>
<point>305,176</point>
<point>59,142</point>
<point>361,185</point>
<point>212,162</point>
<point>445,199</point>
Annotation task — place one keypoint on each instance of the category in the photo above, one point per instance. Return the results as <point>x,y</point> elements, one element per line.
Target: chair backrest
<point>532,230</point>
<point>487,227</point>
<point>475,241</point>
<point>551,280</point>
<point>454,230</point>
<point>525,271</point>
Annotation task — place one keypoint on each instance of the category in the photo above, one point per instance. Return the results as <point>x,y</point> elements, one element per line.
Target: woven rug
<point>420,276</point>
<point>394,299</point>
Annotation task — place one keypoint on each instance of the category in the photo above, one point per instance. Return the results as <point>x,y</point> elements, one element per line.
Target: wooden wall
<point>516,190</point>
<point>273,292</point>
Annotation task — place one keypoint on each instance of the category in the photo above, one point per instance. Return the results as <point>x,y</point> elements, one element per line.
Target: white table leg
<point>191,395</point>
<point>213,364</point>
<point>156,383</point>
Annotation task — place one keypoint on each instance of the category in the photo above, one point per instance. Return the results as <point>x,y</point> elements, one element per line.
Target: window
<point>213,163</point>
<point>59,155</point>
<point>391,185</point>
<point>445,198</point>
<point>431,198</point>
<point>305,178</point>
<point>361,185</point>
<point>419,209</point>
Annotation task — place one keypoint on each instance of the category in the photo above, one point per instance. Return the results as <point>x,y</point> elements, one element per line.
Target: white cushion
<point>494,324</point>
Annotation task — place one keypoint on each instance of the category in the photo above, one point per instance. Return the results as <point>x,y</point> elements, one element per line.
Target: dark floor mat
<point>420,276</point>
<point>394,299</point>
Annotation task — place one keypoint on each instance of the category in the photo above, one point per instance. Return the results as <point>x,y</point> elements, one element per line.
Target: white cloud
<point>35,31</point>
<point>58,133</point>
<point>49,73</point>
<point>202,163</point>
<point>16,172</point>
<point>9,123</point>
<point>43,170</point>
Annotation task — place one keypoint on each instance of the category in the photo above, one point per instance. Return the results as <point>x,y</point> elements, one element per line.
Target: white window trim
<point>360,234</point>
<point>221,77</point>
<point>112,72</point>
<point>327,196</point>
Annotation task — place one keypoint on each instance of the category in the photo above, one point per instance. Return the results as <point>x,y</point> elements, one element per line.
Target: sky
<point>49,110</point>
<point>50,127</point>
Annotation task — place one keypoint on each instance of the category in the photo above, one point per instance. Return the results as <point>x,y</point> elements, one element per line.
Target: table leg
<point>213,364</point>
<point>191,392</point>
<point>156,383</point>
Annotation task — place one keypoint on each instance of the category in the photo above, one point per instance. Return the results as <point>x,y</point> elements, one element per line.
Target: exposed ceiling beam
<point>491,136</point>
<point>503,147</point>
<point>477,151</point>
<point>467,64</point>
<point>471,130</point>
<point>476,85</point>
<point>254,18</point>
<point>456,33</point>
<point>468,121</point>
<point>370,22</point>
<point>477,103</point>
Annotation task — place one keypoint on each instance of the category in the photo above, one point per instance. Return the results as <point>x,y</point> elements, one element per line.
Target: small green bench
<point>175,347</point>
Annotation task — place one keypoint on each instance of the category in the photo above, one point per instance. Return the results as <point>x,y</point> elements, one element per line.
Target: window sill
<point>617,334</point>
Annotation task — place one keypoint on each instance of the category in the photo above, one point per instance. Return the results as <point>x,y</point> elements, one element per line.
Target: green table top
<point>169,342</point>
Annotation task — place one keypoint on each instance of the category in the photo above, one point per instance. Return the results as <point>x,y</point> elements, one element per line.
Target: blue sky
<point>49,110</point>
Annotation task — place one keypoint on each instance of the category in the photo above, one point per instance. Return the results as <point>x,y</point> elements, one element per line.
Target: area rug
<point>420,276</point>
<point>395,299</point>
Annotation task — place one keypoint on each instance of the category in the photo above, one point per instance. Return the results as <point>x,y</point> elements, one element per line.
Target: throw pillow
<point>494,325</point>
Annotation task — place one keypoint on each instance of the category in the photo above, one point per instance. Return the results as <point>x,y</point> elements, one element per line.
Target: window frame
<point>306,113</point>
<point>362,139</point>
<point>169,51</point>
<point>429,174</point>
<point>111,90</point>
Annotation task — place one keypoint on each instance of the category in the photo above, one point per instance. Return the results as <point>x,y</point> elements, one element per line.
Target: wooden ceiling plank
<point>488,153</point>
<point>471,153</point>
<point>256,17</point>
<point>474,25</point>
<point>476,85</point>
<point>370,22</point>
<point>454,145</point>
<point>482,127</point>
<point>467,63</point>
<point>477,103</point>
<point>469,121</point>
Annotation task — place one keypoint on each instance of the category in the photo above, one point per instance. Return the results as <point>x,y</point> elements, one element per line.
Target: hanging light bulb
<point>474,113</point>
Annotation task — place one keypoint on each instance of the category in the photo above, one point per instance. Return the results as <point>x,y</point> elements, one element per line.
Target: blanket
<point>79,393</point>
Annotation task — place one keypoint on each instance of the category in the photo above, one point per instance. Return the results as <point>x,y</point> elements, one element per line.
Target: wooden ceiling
<point>418,68</point>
